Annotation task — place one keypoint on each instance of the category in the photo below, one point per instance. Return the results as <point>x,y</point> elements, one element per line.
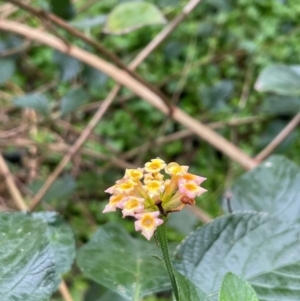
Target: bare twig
<point>14,131</point>
<point>246,86</point>
<point>6,10</point>
<point>65,148</point>
<point>63,289</point>
<point>278,139</point>
<point>201,214</point>
<point>14,191</point>
<point>15,50</point>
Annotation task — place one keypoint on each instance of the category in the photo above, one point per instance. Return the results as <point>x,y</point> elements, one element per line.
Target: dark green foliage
<point>63,8</point>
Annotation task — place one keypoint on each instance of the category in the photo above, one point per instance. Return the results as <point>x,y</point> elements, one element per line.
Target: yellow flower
<point>154,187</point>
<point>156,195</point>
<point>156,165</point>
<point>132,206</point>
<point>175,169</point>
<point>114,203</point>
<point>125,187</point>
<point>148,177</point>
<point>190,177</point>
<point>134,174</point>
<point>147,223</point>
<point>191,189</point>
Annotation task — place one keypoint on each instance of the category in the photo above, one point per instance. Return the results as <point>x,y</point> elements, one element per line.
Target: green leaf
<point>281,105</point>
<point>96,292</point>
<point>38,102</point>
<point>61,189</point>
<point>271,187</point>
<point>188,290</point>
<point>69,67</point>
<point>89,22</point>
<point>235,288</point>
<point>271,131</point>
<point>280,79</point>
<point>129,16</point>
<point>27,263</point>
<point>63,8</point>
<point>61,238</point>
<point>265,251</point>
<point>123,264</point>
<point>94,78</point>
<point>73,100</point>
<point>215,98</point>
<point>7,69</point>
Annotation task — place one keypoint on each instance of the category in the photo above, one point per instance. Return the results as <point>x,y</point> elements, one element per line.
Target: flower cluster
<point>145,194</point>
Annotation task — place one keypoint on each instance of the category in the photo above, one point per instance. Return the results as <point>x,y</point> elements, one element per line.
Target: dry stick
<point>43,15</point>
<point>14,191</point>
<point>6,10</point>
<point>13,132</point>
<point>201,214</point>
<point>15,50</point>
<point>73,150</point>
<point>64,148</point>
<point>126,80</point>
<point>20,203</point>
<point>278,139</point>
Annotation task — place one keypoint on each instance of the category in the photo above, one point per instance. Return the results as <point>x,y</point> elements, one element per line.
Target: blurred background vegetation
<point>208,67</point>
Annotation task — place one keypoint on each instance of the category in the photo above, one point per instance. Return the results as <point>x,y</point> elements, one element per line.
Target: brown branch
<point>65,148</point>
<point>14,131</point>
<point>201,214</point>
<point>12,187</point>
<point>15,50</point>
<point>278,139</point>
<point>6,10</point>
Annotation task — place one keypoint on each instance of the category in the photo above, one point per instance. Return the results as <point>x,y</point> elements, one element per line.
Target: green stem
<point>161,235</point>
<point>137,290</point>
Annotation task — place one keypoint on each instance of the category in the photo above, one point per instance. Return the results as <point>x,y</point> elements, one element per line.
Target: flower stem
<point>161,235</point>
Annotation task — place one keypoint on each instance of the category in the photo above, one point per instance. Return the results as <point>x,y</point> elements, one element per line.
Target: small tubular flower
<point>154,188</point>
<point>148,177</point>
<point>191,189</point>
<point>190,177</point>
<point>147,223</point>
<point>115,202</point>
<point>152,192</point>
<point>175,169</point>
<point>132,206</point>
<point>156,165</point>
<point>125,187</point>
<point>134,174</point>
